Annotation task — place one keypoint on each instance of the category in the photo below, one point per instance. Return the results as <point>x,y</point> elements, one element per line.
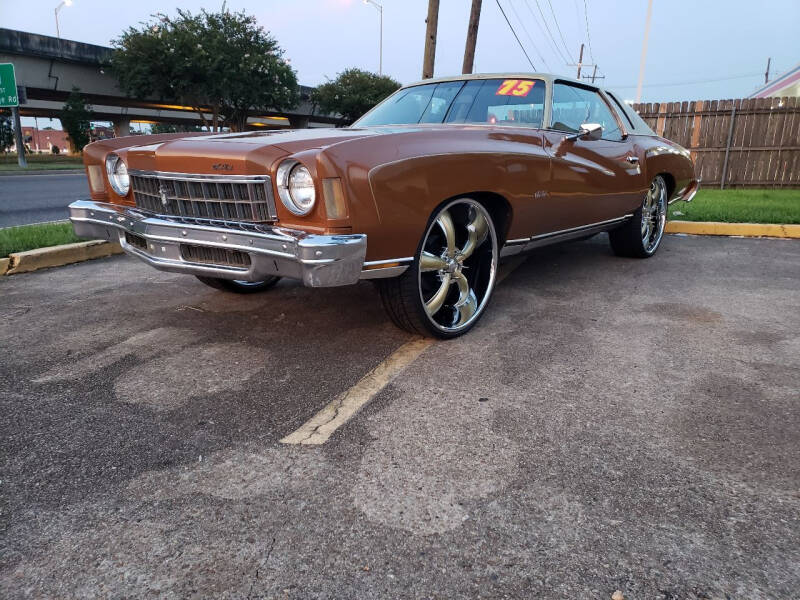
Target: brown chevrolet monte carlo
<point>423,194</point>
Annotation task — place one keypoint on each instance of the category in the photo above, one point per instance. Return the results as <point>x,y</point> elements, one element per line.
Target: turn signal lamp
<point>334,198</point>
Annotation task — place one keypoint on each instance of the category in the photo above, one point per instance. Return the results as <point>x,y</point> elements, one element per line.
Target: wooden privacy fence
<point>753,142</point>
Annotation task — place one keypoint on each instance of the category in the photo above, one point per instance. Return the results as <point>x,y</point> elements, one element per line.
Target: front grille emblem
<point>162,191</point>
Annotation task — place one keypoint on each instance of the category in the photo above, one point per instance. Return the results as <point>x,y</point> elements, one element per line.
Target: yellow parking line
<point>321,426</point>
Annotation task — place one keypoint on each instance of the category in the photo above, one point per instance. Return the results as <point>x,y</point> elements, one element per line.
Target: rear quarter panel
<point>664,156</point>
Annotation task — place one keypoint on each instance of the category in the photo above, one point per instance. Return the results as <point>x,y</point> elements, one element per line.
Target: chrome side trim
<point>372,263</point>
<point>516,246</point>
<point>384,272</point>
<point>582,228</point>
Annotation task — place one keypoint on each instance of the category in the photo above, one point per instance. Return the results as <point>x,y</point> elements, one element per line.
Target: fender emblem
<point>540,194</point>
<point>222,167</point>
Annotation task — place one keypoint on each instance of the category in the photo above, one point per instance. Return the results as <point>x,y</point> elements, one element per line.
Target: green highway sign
<point>8,86</point>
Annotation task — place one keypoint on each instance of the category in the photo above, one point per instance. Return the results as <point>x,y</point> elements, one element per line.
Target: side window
<point>622,110</point>
<point>573,106</point>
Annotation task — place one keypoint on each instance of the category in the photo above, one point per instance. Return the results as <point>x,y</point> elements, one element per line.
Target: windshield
<point>511,102</point>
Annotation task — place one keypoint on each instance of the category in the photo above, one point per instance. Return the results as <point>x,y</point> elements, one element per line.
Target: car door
<point>591,180</point>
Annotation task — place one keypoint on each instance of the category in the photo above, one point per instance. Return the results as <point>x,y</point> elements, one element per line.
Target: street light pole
<point>379,8</point>
<point>58,8</point>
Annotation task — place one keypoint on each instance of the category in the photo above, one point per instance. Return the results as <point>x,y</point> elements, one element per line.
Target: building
<point>43,140</point>
<point>787,84</point>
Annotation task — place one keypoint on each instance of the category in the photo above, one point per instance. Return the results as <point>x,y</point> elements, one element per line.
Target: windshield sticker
<point>515,87</point>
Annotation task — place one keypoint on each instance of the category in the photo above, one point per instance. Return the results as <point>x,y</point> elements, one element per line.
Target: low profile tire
<point>641,236</point>
<point>239,287</point>
<point>448,285</point>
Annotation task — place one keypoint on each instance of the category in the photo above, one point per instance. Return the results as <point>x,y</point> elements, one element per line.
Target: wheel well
<point>670,181</point>
<point>499,209</point>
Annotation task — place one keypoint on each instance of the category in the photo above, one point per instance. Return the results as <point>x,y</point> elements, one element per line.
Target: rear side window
<point>639,125</point>
<point>621,109</point>
<point>573,106</point>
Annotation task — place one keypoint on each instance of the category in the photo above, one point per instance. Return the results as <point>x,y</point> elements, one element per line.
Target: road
<point>28,199</point>
<point>611,424</point>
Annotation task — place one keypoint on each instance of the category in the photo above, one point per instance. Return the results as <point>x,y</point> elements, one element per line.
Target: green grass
<point>40,162</point>
<point>740,206</point>
<point>30,237</point>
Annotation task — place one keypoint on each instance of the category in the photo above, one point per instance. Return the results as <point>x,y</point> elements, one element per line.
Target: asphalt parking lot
<point>610,425</point>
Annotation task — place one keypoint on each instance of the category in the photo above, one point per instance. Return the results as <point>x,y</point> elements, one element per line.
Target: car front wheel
<point>641,236</point>
<point>450,281</point>
<point>239,287</point>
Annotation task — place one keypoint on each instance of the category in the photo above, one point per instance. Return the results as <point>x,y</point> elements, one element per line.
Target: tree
<point>6,131</point>
<point>223,63</point>
<point>353,93</point>
<point>170,128</point>
<point>75,120</point>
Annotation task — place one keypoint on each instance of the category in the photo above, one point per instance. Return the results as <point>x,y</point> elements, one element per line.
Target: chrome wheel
<point>654,215</point>
<point>457,265</point>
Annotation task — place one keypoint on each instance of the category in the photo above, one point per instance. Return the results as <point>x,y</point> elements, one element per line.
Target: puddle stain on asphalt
<point>144,344</point>
<point>168,382</point>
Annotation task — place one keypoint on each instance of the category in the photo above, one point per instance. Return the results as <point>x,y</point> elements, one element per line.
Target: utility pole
<point>430,39</point>
<point>472,37</point>
<point>644,50</point>
<point>580,64</point>
<point>594,75</point>
<point>18,138</point>
<point>766,75</point>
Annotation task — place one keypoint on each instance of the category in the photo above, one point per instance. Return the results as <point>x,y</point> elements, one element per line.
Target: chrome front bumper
<point>316,260</point>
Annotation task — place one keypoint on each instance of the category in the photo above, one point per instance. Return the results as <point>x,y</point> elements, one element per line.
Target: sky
<point>698,49</point>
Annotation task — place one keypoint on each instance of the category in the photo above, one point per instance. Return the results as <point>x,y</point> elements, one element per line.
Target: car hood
<point>235,153</point>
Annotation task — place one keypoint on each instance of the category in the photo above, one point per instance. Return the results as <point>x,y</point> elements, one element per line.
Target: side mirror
<point>589,132</point>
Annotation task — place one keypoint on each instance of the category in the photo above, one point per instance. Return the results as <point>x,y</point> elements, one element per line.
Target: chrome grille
<point>234,198</point>
<point>214,256</point>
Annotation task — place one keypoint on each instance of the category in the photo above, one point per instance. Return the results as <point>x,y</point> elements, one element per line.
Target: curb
<point>56,256</point>
<point>42,172</point>
<point>737,229</point>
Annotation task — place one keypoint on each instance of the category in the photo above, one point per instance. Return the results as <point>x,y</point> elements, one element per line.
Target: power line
<point>555,19</point>
<point>588,37</point>
<point>530,38</point>
<point>515,34</point>
<point>541,29</point>
<point>552,39</point>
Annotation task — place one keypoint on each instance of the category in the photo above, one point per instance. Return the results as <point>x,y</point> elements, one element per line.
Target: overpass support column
<point>122,127</point>
<point>298,122</point>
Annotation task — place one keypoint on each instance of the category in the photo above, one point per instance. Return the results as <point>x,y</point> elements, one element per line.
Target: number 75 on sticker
<point>515,87</point>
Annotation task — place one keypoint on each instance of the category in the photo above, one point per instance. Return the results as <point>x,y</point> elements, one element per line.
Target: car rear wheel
<point>450,281</point>
<point>239,287</point>
<point>641,236</point>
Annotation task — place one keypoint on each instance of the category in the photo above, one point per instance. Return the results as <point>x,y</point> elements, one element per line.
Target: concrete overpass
<point>49,67</point>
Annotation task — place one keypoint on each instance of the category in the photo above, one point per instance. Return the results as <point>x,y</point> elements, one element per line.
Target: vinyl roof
<point>548,77</point>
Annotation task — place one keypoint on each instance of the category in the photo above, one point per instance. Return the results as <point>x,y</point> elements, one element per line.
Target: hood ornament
<point>222,167</point>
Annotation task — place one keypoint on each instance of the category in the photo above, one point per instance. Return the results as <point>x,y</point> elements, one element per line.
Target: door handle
<point>634,160</point>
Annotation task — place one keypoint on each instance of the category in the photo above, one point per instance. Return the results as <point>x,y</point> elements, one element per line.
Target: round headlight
<point>296,187</point>
<point>117,172</point>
